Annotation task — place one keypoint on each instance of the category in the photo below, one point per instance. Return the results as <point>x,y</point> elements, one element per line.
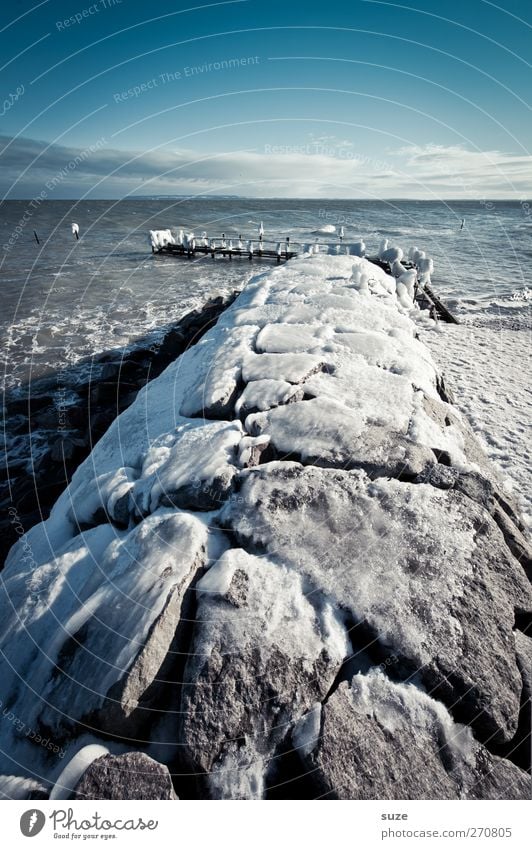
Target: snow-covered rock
<point>424,753</point>
<point>293,502</point>
<point>264,651</point>
<point>426,570</point>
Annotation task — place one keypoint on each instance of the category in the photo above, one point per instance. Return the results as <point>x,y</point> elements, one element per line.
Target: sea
<point>64,299</point>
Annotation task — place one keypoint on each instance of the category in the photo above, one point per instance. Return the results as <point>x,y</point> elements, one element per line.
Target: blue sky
<point>308,99</point>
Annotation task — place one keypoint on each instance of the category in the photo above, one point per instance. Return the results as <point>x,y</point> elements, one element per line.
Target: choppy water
<point>65,299</point>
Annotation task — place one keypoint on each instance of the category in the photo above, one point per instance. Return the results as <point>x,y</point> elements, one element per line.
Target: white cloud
<point>488,173</point>
<point>430,171</point>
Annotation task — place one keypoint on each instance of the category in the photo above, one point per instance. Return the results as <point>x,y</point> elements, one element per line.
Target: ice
<point>74,769</point>
<point>13,787</point>
<point>392,705</point>
<point>192,456</point>
<point>265,394</point>
<point>293,368</point>
<point>306,733</point>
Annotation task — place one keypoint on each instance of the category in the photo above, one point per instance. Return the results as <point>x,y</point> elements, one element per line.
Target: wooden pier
<point>190,247</point>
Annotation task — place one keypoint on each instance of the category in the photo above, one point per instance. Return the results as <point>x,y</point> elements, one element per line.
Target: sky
<point>359,99</point>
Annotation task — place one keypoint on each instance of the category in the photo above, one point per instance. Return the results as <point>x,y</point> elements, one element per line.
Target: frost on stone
<point>263,653</point>
<point>100,619</point>
<point>422,752</point>
<point>427,570</point>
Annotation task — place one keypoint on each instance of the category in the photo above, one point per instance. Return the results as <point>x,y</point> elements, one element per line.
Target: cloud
<point>319,167</point>
<point>489,173</point>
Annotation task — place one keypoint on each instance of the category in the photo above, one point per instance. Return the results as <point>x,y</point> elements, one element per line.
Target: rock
<point>385,740</point>
<point>130,776</point>
<point>322,432</point>
<point>192,468</point>
<point>215,377</point>
<point>263,652</point>
<point>427,570</point>
<point>523,645</point>
<point>110,371</point>
<point>119,597</point>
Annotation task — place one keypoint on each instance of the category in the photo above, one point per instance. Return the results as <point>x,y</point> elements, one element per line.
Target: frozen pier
<point>412,273</point>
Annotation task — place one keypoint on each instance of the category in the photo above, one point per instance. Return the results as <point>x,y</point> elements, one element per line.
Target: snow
<point>265,394</point>
<point>488,371</point>
<point>293,368</point>
<point>395,704</point>
<point>296,338</point>
<point>193,455</point>
<point>282,617</point>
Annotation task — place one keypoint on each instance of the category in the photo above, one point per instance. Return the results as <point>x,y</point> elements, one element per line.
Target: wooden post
<point>36,237</point>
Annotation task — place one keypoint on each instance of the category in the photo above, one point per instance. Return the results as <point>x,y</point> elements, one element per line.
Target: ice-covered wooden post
<point>213,248</point>
<point>75,230</point>
<point>250,250</point>
<point>341,234</point>
<point>279,251</point>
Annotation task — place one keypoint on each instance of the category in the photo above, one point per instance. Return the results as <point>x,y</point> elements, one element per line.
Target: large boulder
<point>426,570</point>
<point>265,649</point>
<point>130,776</point>
<point>86,639</point>
<point>376,739</point>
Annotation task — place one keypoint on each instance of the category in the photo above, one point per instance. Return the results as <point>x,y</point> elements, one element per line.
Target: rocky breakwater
<point>286,570</point>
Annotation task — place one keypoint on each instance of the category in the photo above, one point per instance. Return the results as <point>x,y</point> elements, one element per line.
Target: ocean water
<point>63,299</point>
